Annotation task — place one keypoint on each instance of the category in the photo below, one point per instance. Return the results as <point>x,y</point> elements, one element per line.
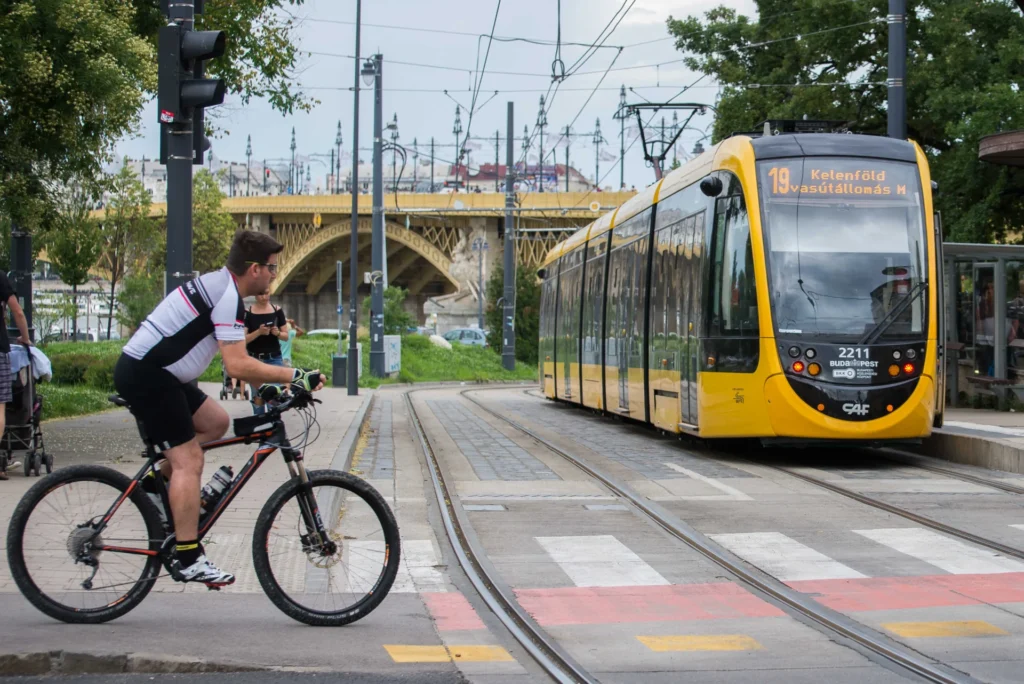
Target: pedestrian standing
<point>266,327</point>
<point>286,345</point>
<point>8,299</point>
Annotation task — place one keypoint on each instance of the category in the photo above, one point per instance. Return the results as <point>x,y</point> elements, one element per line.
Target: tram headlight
<point>894,370</point>
<point>813,369</point>
<point>798,366</point>
<point>908,368</point>
<point>911,354</point>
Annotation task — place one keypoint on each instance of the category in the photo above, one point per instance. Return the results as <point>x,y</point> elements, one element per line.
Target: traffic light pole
<point>179,180</point>
<point>377,247</point>
<point>508,332</point>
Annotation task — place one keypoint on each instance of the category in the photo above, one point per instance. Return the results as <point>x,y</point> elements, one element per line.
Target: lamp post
<point>542,122</point>
<point>291,169</point>
<point>393,126</point>
<point>480,245</point>
<point>248,162</point>
<point>621,115</point>
<point>372,73</point>
<point>337,171</point>
<point>457,131</point>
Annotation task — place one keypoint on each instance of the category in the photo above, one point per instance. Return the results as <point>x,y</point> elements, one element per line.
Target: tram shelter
<point>984,321</point>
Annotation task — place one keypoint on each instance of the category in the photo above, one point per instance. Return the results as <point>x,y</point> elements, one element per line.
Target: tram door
<point>984,319</point>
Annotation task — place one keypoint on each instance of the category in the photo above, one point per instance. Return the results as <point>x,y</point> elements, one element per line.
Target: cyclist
<point>170,350</point>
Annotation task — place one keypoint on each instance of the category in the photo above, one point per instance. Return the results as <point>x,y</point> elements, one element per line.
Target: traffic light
<point>179,91</point>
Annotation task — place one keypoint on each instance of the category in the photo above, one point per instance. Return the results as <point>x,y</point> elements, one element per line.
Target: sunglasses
<point>270,267</point>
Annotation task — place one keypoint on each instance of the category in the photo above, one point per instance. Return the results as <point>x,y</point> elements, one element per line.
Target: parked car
<point>470,336</point>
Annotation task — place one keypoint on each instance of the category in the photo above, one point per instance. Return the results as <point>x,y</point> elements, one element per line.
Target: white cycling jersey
<point>181,334</point>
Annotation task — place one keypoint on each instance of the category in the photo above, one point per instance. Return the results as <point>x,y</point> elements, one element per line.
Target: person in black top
<point>265,327</point>
<point>10,299</point>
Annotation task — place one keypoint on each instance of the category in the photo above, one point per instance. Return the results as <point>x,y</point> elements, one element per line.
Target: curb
<point>68,663</point>
<point>975,451</point>
<point>347,448</point>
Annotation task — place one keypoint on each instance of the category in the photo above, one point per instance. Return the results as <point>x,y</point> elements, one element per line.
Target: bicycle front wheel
<point>60,563</point>
<point>333,581</point>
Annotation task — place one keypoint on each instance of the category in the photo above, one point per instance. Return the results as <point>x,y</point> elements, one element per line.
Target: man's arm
<point>240,365</point>
<point>19,318</point>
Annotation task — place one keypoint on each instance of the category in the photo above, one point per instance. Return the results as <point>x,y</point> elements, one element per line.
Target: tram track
<point>545,651</point>
<point>796,603</point>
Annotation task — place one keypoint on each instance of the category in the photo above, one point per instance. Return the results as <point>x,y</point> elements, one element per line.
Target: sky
<point>424,114</point>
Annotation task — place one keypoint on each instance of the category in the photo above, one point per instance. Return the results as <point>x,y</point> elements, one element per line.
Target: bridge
<point>429,240</point>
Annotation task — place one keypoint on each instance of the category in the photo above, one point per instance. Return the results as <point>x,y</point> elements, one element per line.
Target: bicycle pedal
<point>214,587</point>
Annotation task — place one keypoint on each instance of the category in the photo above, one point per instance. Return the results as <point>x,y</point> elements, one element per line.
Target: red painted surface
<point>925,591</point>
<point>603,605</point>
<point>451,611</point>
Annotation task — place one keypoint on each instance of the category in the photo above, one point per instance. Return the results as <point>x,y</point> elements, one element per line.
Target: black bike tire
<point>261,559</point>
<point>16,531</point>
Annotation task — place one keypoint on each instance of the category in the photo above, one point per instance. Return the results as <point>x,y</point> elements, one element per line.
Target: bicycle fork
<point>317,538</point>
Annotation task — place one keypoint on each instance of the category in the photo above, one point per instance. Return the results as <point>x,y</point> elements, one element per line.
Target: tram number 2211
<point>854,353</point>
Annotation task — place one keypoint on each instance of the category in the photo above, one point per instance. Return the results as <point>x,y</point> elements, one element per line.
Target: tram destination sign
<point>828,181</point>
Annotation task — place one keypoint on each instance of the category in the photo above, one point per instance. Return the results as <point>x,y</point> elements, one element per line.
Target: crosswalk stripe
<point>784,558</point>
<point>700,642</point>
<point>943,552</point>
<point>961,628</point>
<point>600,561</point>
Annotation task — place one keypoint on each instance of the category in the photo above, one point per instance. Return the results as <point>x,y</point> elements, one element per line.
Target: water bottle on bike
<point>214,489</point>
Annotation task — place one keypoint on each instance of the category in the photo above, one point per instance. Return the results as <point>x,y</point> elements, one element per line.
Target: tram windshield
<point>847,246</point>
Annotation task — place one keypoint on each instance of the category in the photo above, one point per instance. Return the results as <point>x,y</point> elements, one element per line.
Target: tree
<point>527,312</point>
<point>127,233</point>
<point>212,228</point>
<point>74,75</point>
<point>73,241</point>
<point>397,320</point>
<point>828,60</point>
<point>140,293</point>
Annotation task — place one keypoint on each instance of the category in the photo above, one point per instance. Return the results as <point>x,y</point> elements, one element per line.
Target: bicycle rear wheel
<point>341,579</point>
<point>53,529</point>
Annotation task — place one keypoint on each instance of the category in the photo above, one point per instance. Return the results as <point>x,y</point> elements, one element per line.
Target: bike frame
<point>270,440</point>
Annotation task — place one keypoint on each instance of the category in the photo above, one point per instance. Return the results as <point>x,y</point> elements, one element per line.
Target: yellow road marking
<point>962,628</point>
<point>444,654</point>
<point>701,642</point>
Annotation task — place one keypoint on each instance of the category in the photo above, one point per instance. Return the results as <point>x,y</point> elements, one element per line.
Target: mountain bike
<point>86,543</point>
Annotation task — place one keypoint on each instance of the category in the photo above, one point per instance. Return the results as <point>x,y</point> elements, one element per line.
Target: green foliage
<point>964,59</point>
<point>527,312</point>
<point>127,233</point>
<point>397,320</point>
<point>100,375</point>
<point>261,56</point>
<point>140,293</point>
<point>73,239</point>
<point>66,401</point>
<point>73,79</point>
<point>70,369</point>
<point>212,228</point>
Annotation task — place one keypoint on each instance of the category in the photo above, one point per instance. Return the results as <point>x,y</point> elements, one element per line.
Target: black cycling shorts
<point>164,404</point>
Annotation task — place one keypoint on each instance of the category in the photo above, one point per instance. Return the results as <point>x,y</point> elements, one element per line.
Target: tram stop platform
<point>979,437</point>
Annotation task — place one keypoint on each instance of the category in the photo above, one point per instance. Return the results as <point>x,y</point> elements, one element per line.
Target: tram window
<point>733,303</point>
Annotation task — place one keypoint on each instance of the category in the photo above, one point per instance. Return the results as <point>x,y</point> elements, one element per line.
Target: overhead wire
<point>602,37</point>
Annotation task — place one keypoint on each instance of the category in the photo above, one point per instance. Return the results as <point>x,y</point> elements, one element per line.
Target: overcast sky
<point>425,114</point>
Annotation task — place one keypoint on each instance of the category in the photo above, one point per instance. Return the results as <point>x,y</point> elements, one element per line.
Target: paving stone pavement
<point>377,460</point>
<point>492,455</point>
<point>633,448</point>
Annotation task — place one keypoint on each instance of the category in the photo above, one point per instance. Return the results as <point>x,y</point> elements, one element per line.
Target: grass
<point>422,361</point>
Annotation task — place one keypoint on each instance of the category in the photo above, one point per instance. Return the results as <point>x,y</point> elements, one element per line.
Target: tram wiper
<point>872,336</point>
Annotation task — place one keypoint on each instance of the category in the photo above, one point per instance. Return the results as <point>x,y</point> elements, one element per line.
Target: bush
<point>70,369</point>
<point>100,375</point>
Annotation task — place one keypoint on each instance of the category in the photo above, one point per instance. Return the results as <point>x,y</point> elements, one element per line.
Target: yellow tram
<point>782,287</point>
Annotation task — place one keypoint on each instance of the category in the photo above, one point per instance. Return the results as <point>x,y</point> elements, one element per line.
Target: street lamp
<point>291,170</point>
<point>393,127</point>
<point>480,245</point>
<point>248,162</point>
<point>337,144</point>
<point>542,121</point>
<point>457,131</point>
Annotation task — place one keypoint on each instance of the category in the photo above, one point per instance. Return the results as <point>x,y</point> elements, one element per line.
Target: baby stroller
<point>22,431</point>
<point>225,387</point>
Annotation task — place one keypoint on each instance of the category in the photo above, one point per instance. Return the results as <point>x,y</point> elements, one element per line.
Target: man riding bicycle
<point>169,351</point>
